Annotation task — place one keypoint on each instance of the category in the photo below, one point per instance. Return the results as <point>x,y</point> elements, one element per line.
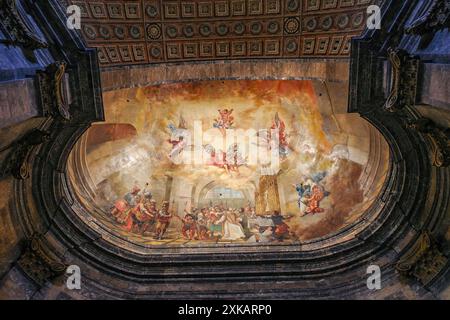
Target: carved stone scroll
<point>17,162</point>
<point>22,35</point>
<point>404,80</point>
<point>53,92</point>
<point>423,261</point>
<point>439,137</point>
<point>37,264</point>
<point>435,17</point>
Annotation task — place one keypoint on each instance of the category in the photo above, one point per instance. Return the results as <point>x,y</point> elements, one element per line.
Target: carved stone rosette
<point>423,261</point>
<point>37,264</point>
<point>14,23</point>
<point>440,140</point>
<point>52,90</point>
<point>404,80</point>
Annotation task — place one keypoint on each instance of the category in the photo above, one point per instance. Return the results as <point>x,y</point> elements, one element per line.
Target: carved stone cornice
<point>404,80</point>
<point>14,23</point>
<point>439,137</point>
<point>37,264</point>
<point>423,261</point>
<point>434,18</point>
<point>52,90</point>
<point>18,160</point>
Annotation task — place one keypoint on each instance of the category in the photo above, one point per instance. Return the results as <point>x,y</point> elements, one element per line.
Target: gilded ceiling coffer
<point>22,35</point>
<point>53,91</point>
<point>440,140</point>
<point>424,261</point>
<point>37,264</point>
<point>404,80</point>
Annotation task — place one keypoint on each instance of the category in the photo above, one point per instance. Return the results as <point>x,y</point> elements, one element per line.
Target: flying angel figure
<point>274,138</point>
<point>224,121</point>
<point>179,138</point>
<point>311,193</point>
<point>230,160</point>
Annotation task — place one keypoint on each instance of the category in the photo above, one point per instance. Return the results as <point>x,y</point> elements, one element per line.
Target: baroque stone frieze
<point>54,91</point>
<point>404,80</point>
<point>433,17</point>
<point>38,264</point>
<point>19,31</point>
<point>439,138</point>
<point>151,31</point>
<point>19,156</point>
<point>423,261</point>
<point>402,97</point>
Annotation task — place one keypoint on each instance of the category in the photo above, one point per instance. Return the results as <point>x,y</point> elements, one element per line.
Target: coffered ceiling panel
<point>155,31</point>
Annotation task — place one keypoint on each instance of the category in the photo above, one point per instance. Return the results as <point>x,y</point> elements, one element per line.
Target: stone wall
<point>332,70</point>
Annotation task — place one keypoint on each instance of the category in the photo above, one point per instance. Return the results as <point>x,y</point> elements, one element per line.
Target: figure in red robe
<point>163,220</point>
<point>122,210</point>
<point>189,229</point>
<point>144,215</point>
<point>313,201</point>
<point>279,128</point>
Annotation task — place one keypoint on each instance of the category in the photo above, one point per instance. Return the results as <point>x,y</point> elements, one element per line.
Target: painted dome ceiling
<point>242,162</point>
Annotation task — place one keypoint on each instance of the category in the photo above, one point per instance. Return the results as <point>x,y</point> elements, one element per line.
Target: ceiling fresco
<point>220,162</point>
<point>150,31</point>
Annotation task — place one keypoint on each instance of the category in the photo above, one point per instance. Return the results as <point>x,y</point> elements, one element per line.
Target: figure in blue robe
<point>302,191</point>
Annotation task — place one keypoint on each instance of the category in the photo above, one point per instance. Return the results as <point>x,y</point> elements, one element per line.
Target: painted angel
<point>178,139</point>
<point>225,120</point>
<point>311,193</point>
<point>278,132</point>
<point>274,138</point>
<point>230,160</point>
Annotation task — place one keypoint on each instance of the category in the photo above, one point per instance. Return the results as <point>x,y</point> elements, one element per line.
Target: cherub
<point>225,121</point>
<point>313,201</point>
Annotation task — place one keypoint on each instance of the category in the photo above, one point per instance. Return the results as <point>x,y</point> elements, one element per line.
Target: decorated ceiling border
<point>155,31</point>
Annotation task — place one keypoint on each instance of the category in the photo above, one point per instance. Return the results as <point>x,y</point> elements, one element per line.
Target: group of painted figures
<point>137,212</point>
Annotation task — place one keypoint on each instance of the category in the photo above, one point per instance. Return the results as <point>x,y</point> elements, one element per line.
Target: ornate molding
<point>53,92</point>
<point>404,80</point>
<point>434,18</point>
<point>423,261</point>
<point>18,160</point>
<point>17,27</point>
<point>38,264</point>
<point>172,31</point>
<point>440,139</point>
